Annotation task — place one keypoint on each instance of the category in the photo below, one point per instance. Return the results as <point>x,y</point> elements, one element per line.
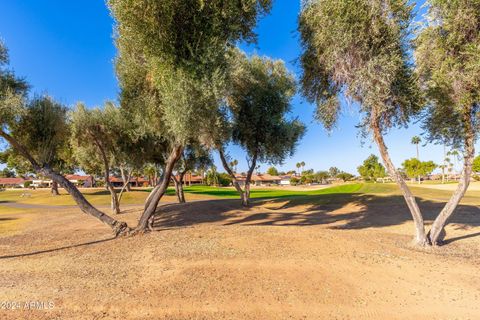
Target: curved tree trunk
<point>126,179</point>
<point>179,187</point>
<point>54,189</point>
<point>420,236</point>
<point>246,194</point>
<point>232,175</point>
<point>118,227</point>
<point>437,231</point>
<point>113,195</point>
<point>158,193</point>
<point>125,186</point>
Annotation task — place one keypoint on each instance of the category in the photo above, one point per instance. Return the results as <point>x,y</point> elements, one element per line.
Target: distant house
<point>191,179</point>
<point>285,180</point>
<point>84,181</point>
<point>259,179</point>
<point>41,183</point>
<point>134,182</point>
<point>12,182</point>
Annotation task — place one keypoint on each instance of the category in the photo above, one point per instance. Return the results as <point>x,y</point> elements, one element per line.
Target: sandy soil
<point>474,186</point>
<point>210,260</point>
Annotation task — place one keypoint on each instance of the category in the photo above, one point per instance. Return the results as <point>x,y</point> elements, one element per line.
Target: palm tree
<point>298,165</point>
<point>416,141</point>
<point>303,166</point>
<point>456,157</point>
<point>235,163</point>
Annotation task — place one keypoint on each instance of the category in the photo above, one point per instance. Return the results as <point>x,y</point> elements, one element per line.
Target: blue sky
<point>65,49</point>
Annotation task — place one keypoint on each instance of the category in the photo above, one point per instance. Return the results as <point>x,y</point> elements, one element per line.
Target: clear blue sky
<point>65,49</point>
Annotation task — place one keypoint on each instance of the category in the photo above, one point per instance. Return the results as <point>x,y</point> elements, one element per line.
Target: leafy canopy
<point>259,100</point>
<point>43,129</point>
<point>13,91</point>
<point>173,56</point>
<point>476,164</point>
<point>416,168</point>
<point>358,49</point>
<point>371,169</point>
<point>448,62</point>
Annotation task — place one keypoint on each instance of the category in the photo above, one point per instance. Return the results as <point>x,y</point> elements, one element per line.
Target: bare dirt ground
<point>346,258</point>
<point>474,186</point>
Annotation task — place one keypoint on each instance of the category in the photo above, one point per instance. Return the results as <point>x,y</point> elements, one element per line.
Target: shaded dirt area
<point>344,257</point>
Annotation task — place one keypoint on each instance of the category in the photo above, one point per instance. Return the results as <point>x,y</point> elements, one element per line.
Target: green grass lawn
<point>230,193</point>
<point>331,194</point>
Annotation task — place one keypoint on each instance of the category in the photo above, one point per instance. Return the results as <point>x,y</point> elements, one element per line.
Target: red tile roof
<point>12,180</point>
<point>259,177</point>
<point>192,178</point>
<point>139,179</point>
<point>78,177</point>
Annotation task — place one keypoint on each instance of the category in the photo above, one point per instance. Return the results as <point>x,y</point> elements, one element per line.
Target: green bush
<point>27,184</point>
<point>294,181</point>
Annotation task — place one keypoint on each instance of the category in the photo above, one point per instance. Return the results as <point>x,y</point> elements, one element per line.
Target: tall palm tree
<point>416,141</point>
<point>456,158</point>
<point>298,165</point>
<point>303,166</point>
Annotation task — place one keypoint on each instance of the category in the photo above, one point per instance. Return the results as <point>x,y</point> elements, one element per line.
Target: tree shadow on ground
<point>8,219</point>
<point>55,249</point>
<point>335,211</point>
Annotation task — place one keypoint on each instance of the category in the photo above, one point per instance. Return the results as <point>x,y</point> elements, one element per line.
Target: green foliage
<point>345,176</point>
<point>294,181</point>
<point>214,178</point>
<point>6,173</point>
<point>259,100</point>
<point>13,91</point>
<point>415,168</point>
<point>194,157</point>
<point>448,62</point>
<point>190,34</point>
<point>172,60</point>
<point>476,164</point>
<point>333,172</point>
<point>359,50</point>
<point>44,131</point>
<point>322,176</point>
<point>272,171</point>
<point>416,140</point>
<point>27,184</point>
<point>371,169</point>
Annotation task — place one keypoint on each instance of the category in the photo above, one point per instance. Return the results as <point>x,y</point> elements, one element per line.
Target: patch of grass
<point>230,193</point>
<point>10,221</point>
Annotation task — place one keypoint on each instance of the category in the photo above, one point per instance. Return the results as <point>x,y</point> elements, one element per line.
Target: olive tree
<point>37,131</point>
<point>360,50</point>
<point>171,66</point>
<point>94,141</point>
<point>259,99</point>
<point>448,63</point>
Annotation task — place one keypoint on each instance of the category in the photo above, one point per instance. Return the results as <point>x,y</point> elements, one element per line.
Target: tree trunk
<point>246,194</point>
<point>420,236</point>
<point>158,193</point>
<point>437,233</point>
<point>118,227</point>
<point>179,188</point>
<point>113,195</point>
<point>126,179</point>
<point>54,189</point>
<point>125,186</point>
<point>232,175</point>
